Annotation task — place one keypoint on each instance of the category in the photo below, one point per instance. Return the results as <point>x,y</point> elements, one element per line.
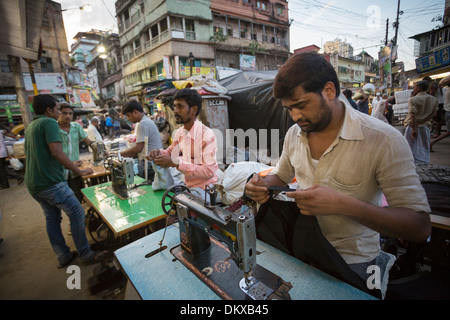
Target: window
<point>230,32</point>
<point>46,64</point>
<point>110,90</point>
<point>218,30</point>
<point>163,25</point>
<point>146,36</point>
<point>190,25</point>
<point>4,65</point>
<point>261,5</point>
<point>190,29</point>
<point>433,36</point>
<point>280,10</point>
<point>137,43</point>
<point>154,31</point>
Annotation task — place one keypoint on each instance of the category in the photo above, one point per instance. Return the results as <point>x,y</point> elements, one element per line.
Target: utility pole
<point>396,24</point>
<point>387,32</point>
<point>21,92</point>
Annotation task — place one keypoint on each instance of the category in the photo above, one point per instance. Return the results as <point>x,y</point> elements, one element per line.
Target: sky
<point>361,23</point>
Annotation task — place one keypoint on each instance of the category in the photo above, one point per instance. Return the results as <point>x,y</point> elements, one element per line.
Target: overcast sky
<point>361,23</point>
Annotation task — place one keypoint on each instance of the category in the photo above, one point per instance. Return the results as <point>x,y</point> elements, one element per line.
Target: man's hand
<point>153,154</point>
<point>256,189</point>
<point>413,133</point>
<point>86,172</point>
<point>317,200</point>
<point>164,161</point>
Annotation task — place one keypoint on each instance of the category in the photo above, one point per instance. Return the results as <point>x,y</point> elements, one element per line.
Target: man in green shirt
<point>71,134</point>
<point>44,178</point>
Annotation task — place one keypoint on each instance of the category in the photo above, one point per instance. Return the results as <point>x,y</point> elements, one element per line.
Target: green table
<point>142,207</point>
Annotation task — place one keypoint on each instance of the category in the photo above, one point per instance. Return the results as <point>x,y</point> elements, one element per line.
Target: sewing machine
<point>98,151</point>
<point>210,236</point>
<point>122,174</point>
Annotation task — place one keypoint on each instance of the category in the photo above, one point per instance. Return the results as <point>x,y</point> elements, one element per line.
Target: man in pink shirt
<point>193,150</point>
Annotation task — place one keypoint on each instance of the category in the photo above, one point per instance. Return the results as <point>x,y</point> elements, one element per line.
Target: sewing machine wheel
<point>167,202</point>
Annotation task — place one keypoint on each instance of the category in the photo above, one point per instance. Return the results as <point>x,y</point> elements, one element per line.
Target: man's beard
<point>325,115</point>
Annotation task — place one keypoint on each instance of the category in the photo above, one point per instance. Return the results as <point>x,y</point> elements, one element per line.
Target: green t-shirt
<point>42,170</point>
<point>71,143</point>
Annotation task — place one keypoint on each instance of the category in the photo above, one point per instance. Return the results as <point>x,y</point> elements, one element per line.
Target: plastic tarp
<point>252,105</point>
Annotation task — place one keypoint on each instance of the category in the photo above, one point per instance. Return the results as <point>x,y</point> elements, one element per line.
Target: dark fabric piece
<point>280,224</point>
<point>438,198</point>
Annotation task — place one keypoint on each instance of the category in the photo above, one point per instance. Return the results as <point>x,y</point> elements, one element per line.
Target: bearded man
<point>344,161</point>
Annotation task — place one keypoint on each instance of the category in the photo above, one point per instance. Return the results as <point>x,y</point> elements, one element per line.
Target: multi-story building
<point>105,70</point>
<point>174,39</point>
<point>350,72</point>
<point>340,47</point>
<point>432,49</point>
<point>54,54</point>
<point>434,53</point>
<point>81,49</point>
<point>158,37</point>
<point>369,67</point>
<point>49,69</point>
<point>250,34</point>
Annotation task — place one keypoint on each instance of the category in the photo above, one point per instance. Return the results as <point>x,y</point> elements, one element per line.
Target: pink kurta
<point>195,153</point>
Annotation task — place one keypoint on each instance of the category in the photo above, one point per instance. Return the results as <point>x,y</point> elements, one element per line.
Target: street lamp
<point>102,51</point>
<point>86,7</point>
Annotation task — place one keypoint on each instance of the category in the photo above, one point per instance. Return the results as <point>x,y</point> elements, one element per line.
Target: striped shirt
<point>71,143</point>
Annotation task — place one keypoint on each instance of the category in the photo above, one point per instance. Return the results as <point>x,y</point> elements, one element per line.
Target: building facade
<point>105,71</point>
<point>174,39</point>
<point>250,34</point>
<point>157,38</point>
<point>338,46</point>
<point>54,55</point>
<point>81,49</point>
<point>350,72</point>
<point>433,54</point>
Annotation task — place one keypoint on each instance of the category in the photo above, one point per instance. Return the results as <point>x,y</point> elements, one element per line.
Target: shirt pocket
<point>349,186</point>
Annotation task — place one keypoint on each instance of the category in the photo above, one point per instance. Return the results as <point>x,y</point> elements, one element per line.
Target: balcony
<point>158,40</point>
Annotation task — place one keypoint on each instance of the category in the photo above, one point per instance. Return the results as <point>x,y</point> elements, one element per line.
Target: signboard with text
<point>51,83</point>
<point>433,60</point>
<point>185,72</point>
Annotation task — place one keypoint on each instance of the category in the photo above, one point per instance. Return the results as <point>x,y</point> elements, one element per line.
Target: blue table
<point>161,277</point>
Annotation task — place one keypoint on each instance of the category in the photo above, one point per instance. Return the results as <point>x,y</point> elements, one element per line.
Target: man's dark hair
<point>347,93</point>
<point>132,105</point>
<point>423,85</point>
<point>310,70</point>
<point>66,106</point>
<point>192,98</point>
<point>43,101</point>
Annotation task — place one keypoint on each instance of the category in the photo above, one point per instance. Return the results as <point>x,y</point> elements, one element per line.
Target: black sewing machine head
<point>122,174</point>
<point>211,236</point>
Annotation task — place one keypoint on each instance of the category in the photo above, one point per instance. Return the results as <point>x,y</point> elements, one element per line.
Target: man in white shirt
<point>145,129</point>
<point>376,101</point>
<point>92,130</point>
<point>344,161</point>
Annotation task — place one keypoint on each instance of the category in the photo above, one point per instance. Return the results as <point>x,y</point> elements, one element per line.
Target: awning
<point>111,79</point>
